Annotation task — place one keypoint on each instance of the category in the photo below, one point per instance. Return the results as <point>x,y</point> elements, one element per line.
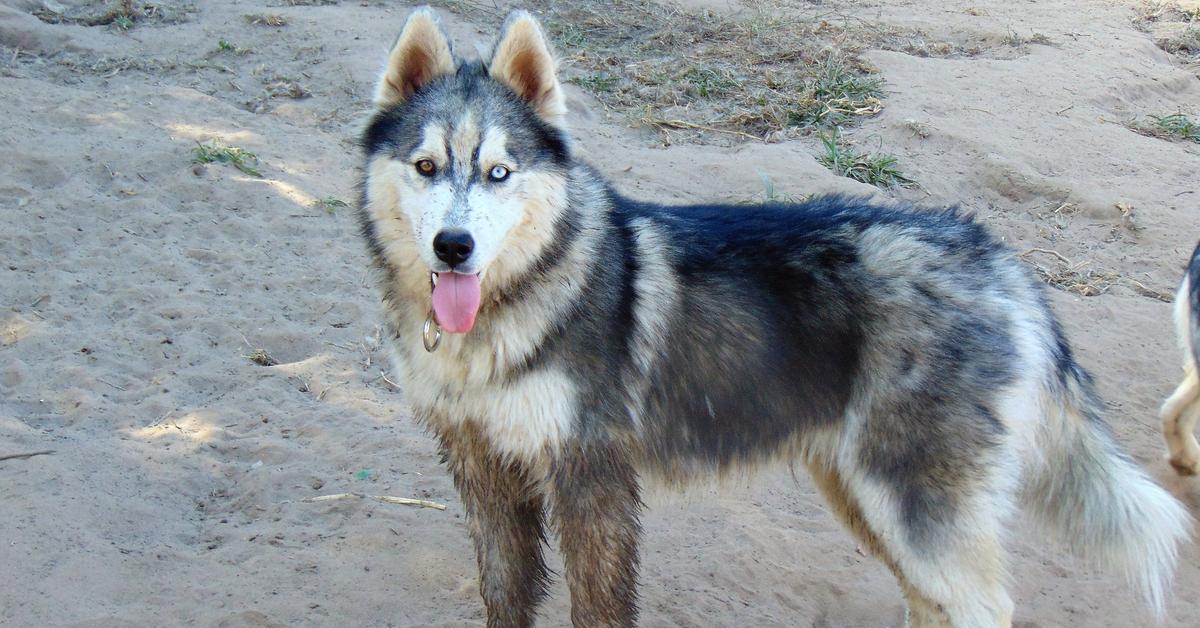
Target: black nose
<point>453,246</point>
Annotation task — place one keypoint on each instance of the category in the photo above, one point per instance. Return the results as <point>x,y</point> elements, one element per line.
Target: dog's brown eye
<point>426,167</point>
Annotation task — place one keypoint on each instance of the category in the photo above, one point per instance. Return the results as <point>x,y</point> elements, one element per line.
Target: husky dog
<point>1182,409</point>
<point>562,342</point>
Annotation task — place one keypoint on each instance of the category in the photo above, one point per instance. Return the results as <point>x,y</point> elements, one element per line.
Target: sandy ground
<point>133,286</point>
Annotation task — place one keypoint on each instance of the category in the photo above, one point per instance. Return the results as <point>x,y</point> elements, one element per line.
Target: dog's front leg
<point>505,514</point>
<point>595,512</point>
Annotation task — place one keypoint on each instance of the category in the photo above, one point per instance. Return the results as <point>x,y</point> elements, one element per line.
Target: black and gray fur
<point>904,355</point>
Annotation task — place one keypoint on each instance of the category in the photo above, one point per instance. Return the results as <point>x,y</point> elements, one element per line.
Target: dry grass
<point>1185,43</point>
<point>1082,279</point>
<point>1156,12</point>
<point>267,19</point>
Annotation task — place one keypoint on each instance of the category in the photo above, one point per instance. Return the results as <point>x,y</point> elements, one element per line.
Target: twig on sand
<point>684,124</point>
<point>1142,289</point>
<point>31,454</point>
<point>385,378</point>
<point>1047,252</point>
<point>387,499</point>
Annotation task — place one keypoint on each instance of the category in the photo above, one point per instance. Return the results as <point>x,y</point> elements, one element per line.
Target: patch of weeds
<point>710,82</point>
<point>843,160</point>
<point>835,96</point>
<point>267,19</point>
<point>701,75</point>
<point>330,204</point>
<point>1017,40</point>
<point>597,83</point>
<point>215,152</point>
<point>1176,126</point>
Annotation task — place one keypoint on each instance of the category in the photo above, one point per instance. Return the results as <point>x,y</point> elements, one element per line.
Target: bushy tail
<point>1082,486</point>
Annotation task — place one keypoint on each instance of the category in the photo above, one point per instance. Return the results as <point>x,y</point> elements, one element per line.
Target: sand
<point>135,285</point>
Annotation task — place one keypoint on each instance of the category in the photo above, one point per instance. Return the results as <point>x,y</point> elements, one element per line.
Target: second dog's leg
<point>505,514</point>
<point>595,512</point>
<point>1179,414</point>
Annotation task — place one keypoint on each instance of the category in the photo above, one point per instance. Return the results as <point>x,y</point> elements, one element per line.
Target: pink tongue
<point>456,301</point>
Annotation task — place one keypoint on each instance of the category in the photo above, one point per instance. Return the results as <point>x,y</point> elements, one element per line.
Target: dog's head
<point>466,164</point>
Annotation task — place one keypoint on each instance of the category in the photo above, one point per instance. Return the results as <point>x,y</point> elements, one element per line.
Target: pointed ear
<point>421,54</point>
<point>522,61</point>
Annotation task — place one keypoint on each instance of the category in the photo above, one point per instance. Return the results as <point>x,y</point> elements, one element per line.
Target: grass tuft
<point>878,170</point>
<point>1176,126</point>
<point>262,358</point>
<point>215,152</point>
<point>1017,40</point>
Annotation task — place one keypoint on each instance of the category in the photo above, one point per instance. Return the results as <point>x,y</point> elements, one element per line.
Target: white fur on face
<point>485,209</point>
<point>510,221</point>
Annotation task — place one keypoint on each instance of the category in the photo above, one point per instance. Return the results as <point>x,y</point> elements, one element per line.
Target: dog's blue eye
<point>498,173</point>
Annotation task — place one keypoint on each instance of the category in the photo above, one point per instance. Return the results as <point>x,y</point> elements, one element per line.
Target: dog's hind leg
<point>922,612</point>
<point>506,520</point>
<point>1179,414</point>
<point>950,563</point>
<point>594,508</point>
<point>935,482</point>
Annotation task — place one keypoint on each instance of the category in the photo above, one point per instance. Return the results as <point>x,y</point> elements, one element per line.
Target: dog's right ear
<point>421,54</point>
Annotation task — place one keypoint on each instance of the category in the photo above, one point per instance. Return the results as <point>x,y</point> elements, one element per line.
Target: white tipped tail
<point>1080,485</point>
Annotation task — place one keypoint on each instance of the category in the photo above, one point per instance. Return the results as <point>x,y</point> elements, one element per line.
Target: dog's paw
<point>1184,466</point>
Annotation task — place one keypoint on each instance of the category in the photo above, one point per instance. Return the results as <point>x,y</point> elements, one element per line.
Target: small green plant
<point>123,22</point>
<point>772,195</point>
<point>1176,126</point>
<point>215,152</point>
<point>224,45</point>
<point>878,170</point>
<point>331,204</point>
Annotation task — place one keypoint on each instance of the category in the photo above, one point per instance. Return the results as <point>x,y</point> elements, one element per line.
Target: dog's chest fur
<point>524,413</point>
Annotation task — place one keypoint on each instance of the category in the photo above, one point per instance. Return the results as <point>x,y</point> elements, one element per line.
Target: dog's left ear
<point>522,61</point>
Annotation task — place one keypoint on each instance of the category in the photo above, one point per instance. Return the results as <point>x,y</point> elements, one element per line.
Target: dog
<point>564,343</point>
<point>1182,408</point>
